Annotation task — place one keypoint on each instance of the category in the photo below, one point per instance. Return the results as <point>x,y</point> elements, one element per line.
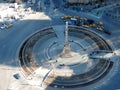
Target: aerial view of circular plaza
<point>60,44</point>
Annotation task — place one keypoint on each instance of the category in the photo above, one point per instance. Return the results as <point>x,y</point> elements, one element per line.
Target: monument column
<point>67,53</point>
<point>66,35</point>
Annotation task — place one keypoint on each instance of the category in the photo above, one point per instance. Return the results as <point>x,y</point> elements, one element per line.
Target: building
<point>17,1</point>
<point>78,1</point>
<point>85,1</point>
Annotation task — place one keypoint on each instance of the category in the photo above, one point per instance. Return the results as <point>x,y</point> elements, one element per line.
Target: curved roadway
<point>28,59</point>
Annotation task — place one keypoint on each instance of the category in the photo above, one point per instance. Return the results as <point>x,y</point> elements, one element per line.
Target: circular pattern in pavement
<point>43,50</point>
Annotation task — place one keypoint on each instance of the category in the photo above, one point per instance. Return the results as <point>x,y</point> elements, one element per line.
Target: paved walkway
<point>38,76</point>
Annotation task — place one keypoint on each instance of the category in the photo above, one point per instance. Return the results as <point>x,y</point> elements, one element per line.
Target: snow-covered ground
<point>8,81</point>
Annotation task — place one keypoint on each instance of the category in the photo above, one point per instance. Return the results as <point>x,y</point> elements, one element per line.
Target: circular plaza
<point>61,64</point>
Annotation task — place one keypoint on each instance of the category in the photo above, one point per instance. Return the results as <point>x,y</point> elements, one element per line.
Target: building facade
<point>79,1</point>
<point>85,1</point>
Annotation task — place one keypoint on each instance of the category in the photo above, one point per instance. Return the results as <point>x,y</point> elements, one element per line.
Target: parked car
<point>99,28</point>
<point>77,17</point>
<point>83,19</point>
<point>93,25</point>
<point>8,25</point>
<point>66,17</point>
<point>85,26</point>
<point>16,76</point>
<point>2,26</point>
<point>100,23</point>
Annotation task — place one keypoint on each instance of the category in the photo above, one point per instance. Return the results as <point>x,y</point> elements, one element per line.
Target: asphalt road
<point>11,39</point>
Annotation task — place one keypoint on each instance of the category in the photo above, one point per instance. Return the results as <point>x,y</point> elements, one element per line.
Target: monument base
<point>67,52</point>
